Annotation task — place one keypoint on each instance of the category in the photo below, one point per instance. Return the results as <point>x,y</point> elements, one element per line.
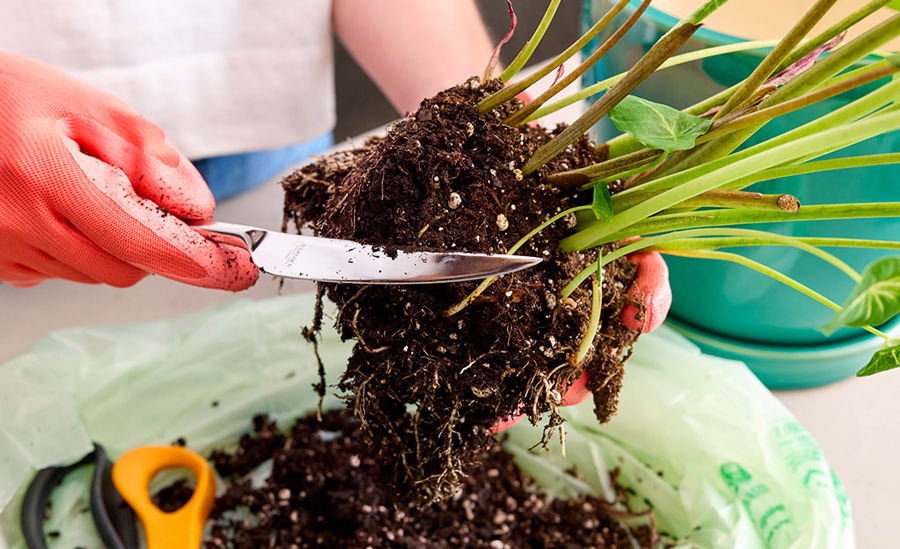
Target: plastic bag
<point>720,460</point>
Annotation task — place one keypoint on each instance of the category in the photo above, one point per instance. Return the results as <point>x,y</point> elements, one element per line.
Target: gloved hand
<point>92,192</point>
<point>652,287</point>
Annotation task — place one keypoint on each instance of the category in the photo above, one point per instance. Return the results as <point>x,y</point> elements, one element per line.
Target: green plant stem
<point>492,101</point>
<point>520,116</point>
<point>831,164</point>
<point>819,73</point>
<point>622,201</point>
<point>706,254</point>
<point>855,110</point>
<point>714,243</point>
<point>724,126</point>
<point>601,262</point>
<point>670,242</point>
<point>616,168</point>
<point>768,65</point>
<point>832,31</point>
<point>814,167</point>
<point>817,154</point>
<point>521,242</point>
<point>893,59</point>
<point>725,198</point>
<point>676,60</point>
<point>659,52</point>
<point>838,61</point>
<point>718,218</point>
<point>719,174</point>
<point>772,273</point>
<point>782,240</point>
<point>635,172</point>
<point>525,54</point>
<point>721,198</point>
<point>624,143</point>
<point>594,324</point>
<point>486,283</point>
<point>703,11</point>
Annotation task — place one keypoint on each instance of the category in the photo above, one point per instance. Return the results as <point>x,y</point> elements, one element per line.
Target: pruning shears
<point>119,495</point>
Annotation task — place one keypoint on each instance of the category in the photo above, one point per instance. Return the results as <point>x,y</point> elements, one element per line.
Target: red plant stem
<point>495,57</point>
<point>520,115</point>
<point>657,55</point>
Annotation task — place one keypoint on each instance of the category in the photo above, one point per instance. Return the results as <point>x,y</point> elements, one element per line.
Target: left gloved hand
<point>92,192</point>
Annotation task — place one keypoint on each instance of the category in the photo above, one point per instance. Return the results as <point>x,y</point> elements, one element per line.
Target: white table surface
<point>855,421</point>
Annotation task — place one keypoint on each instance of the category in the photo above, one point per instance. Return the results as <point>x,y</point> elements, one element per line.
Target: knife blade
<point>333,260</point>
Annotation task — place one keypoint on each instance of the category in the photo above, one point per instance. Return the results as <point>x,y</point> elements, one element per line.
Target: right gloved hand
<point>652,287</point>
<point>92,192</point>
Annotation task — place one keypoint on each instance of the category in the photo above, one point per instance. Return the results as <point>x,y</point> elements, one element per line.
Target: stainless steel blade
<point>330,260</point>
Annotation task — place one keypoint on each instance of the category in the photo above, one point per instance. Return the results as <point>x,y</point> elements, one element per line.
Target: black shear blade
<point>115,521</point>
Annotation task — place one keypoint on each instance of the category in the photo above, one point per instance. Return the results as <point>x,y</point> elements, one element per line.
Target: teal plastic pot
<point>735,306</point>
<point>790,366</point>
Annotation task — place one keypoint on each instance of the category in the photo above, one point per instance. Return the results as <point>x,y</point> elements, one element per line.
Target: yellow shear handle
<point>181,529</point>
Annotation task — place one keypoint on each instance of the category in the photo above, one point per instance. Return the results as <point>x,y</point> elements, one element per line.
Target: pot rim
<point>802,352</point>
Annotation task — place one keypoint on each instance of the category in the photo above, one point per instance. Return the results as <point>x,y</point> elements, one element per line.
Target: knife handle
<point>231,234</point>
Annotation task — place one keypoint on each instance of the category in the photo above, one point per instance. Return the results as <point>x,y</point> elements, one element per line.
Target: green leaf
<point>895,5</point>
<point>703,11</point>
<point>886,358</point>
<point>602,203</point>
<point>874,300</point>
<point>658,126</point>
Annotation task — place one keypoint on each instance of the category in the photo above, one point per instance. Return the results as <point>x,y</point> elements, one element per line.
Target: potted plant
<point>743,316</point>
<point>435,369</point>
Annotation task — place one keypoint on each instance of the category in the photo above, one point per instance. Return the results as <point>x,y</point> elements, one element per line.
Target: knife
<point>332,260</point>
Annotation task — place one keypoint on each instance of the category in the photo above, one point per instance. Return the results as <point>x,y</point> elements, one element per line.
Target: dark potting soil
<point>428,387</point>
<point>324,492</point>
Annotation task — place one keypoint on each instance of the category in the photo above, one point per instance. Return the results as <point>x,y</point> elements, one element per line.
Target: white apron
<point>219,76</point>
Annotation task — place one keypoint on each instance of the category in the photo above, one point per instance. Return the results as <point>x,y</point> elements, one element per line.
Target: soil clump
<point>427,388</point>
<point>324,492</point>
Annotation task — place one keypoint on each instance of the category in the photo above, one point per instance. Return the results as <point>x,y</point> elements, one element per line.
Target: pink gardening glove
<point>652,286</point>
<point>92,192</point>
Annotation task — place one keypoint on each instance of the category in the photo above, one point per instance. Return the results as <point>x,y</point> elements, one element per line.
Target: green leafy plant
<point>435,370</point>
<point>682,174</point>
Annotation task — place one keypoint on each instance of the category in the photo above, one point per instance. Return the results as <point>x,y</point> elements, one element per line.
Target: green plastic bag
<point>720,460</point>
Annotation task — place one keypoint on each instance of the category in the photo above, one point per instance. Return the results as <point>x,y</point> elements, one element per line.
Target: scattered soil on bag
<point>324,492</point>
<point>427,388</point>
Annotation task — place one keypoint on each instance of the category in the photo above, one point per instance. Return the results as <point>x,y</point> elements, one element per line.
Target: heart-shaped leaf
<point>658,126</point>
<point>887,358</point>
<point>876,299</point>
<point>602,203</point>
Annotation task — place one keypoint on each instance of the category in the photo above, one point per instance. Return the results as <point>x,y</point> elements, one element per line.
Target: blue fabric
<point>233,174</point>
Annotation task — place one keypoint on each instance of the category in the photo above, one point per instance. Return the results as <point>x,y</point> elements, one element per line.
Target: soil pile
<point>428,387</point>
<point>324,492</point>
